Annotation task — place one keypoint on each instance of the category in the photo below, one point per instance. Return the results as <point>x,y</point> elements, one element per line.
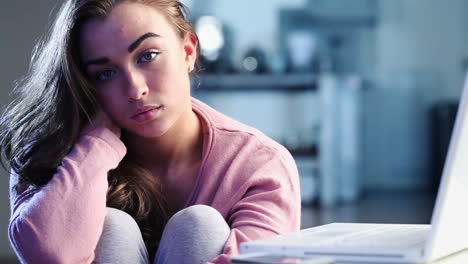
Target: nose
<point>137,86</point>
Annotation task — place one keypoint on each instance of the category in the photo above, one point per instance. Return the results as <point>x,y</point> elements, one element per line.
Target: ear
<point>190,48</point>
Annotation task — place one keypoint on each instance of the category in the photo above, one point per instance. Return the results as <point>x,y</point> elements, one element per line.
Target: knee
<point>121,240</point>
<point>119,221</point>
<point>198,219</point>
<point>195,234</point>
<point>196,215</point>
<point>120,228</point>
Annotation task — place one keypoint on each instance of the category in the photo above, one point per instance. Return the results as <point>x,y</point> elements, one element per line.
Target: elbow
<point>33,247</point>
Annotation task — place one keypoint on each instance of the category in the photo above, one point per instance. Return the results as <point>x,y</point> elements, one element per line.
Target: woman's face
<point>139,67</point>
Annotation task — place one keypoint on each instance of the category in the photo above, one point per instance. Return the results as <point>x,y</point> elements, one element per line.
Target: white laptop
<point>394,243</point>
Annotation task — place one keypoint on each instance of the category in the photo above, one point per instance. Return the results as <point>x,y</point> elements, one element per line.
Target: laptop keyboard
<point>385,236</point>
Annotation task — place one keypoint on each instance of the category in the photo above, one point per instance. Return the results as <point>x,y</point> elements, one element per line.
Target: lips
<point>145,113</point>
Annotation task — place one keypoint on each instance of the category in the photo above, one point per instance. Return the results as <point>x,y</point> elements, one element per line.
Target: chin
<point>149,131</point>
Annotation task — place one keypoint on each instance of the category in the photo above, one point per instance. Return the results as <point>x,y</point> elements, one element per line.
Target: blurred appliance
<point>213,38</point>
<point>338,35</point>
<point>255,61</point>
<point>302,46</point>
<point>340,139</point>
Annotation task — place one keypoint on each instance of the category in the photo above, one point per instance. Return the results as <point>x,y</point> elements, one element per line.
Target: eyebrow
<point>137,42</point>
<point>131,48</point>
<point>99,61</point>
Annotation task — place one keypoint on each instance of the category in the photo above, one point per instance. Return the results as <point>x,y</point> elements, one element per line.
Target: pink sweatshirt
<point>249,178</point>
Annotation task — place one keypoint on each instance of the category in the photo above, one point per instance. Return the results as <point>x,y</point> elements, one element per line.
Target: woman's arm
<point>270,205</point>
<point>61,222</point>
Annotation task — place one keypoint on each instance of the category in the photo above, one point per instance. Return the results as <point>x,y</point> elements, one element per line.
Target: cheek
<point>109,103</point>
<point>175,78</point>
<point>160,82</point>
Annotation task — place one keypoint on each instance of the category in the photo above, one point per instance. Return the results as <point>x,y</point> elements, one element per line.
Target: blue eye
<point>148,56</point>
<point>105,75</point>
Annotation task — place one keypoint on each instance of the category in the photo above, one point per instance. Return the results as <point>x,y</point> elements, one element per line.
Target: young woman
<point>113,161</point>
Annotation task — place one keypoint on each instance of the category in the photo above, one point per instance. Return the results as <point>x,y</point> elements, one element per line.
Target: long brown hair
<point>55,101</point>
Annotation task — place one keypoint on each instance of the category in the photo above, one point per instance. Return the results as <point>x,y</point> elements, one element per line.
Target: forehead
<point>125,23</point>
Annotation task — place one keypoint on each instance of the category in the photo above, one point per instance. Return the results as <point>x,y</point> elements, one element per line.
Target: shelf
<point>314,18</point>
<point>256,82</point>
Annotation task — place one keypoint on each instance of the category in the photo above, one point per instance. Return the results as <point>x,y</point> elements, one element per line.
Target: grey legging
<point>195,234</point>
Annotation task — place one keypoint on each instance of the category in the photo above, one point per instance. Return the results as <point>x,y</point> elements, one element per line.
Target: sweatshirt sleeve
<point>270,205</point>
<point>61,222</point>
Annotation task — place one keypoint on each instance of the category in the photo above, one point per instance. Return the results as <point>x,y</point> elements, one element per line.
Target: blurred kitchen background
<point>363,93</point>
